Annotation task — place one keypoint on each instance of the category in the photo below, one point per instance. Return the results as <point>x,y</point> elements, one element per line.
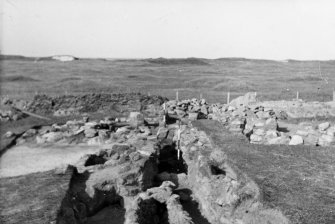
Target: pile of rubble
<point>10,114</point>
<point>107,131</point>
<point>9,109</point>
<point>193,109</point>
<point>148,161</point>
<point>258,123</point>
<point>75,104</point>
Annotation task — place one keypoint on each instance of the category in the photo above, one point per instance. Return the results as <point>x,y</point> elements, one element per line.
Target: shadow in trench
<point>169,162</point>
<point>111,214</point>
<point>191,206</point>
<point>152,211</point>
<point>79,207</point>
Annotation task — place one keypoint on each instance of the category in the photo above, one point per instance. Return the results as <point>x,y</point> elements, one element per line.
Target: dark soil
<point>43,104</point>
<point>18,78</point>
<point>299,180</point>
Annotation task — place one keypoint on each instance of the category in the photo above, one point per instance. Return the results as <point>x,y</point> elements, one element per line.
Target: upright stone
<point>136,119</point>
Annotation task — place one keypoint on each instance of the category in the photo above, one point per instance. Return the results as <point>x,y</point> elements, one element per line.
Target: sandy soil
<point>25,159</point>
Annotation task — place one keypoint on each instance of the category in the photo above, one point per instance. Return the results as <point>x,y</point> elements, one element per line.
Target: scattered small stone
<point>134,156</point>
<point>9,134</point>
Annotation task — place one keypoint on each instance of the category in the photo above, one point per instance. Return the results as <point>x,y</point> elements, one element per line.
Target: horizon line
<point>144,58</point>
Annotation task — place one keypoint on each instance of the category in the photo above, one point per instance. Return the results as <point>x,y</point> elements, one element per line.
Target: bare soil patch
<point>24,159</point>
<point>18,78</point>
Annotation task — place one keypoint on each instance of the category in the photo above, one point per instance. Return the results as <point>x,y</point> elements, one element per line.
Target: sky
<point>264,29</point>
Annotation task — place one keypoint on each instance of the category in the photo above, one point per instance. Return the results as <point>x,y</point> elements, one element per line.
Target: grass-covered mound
<point>299,180</point>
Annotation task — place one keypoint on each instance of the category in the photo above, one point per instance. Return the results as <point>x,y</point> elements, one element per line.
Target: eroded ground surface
<point>25,159</point>
<point>153,163</point>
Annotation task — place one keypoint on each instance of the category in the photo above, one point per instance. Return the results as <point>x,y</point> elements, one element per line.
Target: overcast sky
<point>269,29</point>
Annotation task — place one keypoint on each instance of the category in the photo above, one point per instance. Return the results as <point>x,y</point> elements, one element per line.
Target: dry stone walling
<point>259,122</point>
<point>143,172</point>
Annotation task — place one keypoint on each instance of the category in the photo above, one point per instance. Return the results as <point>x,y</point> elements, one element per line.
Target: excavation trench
<point>191,206</point>
<point>184,170</point>
<point>168,160</point>
<point>152,211</point>
<point>79,207</point>
<point>171,164</point>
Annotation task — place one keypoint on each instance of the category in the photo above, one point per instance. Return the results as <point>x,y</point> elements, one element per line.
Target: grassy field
<point>33,198</point>
<point>299,180</point>
<point>272,80</point>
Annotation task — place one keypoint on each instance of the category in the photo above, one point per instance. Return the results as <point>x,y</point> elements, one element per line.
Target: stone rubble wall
<point>225,195</point>
<point>258,121</point>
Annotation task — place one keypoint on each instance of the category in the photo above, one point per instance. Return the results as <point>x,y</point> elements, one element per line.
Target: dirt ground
<point>25,159</point>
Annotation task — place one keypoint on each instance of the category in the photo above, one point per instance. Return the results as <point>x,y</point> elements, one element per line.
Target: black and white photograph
<point>167,112</point>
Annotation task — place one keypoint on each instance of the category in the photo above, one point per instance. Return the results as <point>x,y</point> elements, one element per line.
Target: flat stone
<point>9,134</point>
<point>95,141</point>
<point>40,140</point>
<point>311,140</point>
<point>326,140</point>
<point>331,131</point>
<point>271,134</point>
<point>122,130</point>
<point>29,133</point>
<point>53,136</point>
<point>104,134</point>
<point>134,156</point>
<point>136,119</point>
<point>263,114</point>
<point>296,140</point>
<point>271,123</point>
<point>259,124</point>
<point>259,131</point>
<point>193,116</point>
<point>90,133</point>
<point>324,126</point>
<point>91,124</point>
<point>255,138</point>
<point>180,113</point>
<point>231,108</point>
<point>204,110</point>
<point>162,133</point>
<point>237,122</point>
